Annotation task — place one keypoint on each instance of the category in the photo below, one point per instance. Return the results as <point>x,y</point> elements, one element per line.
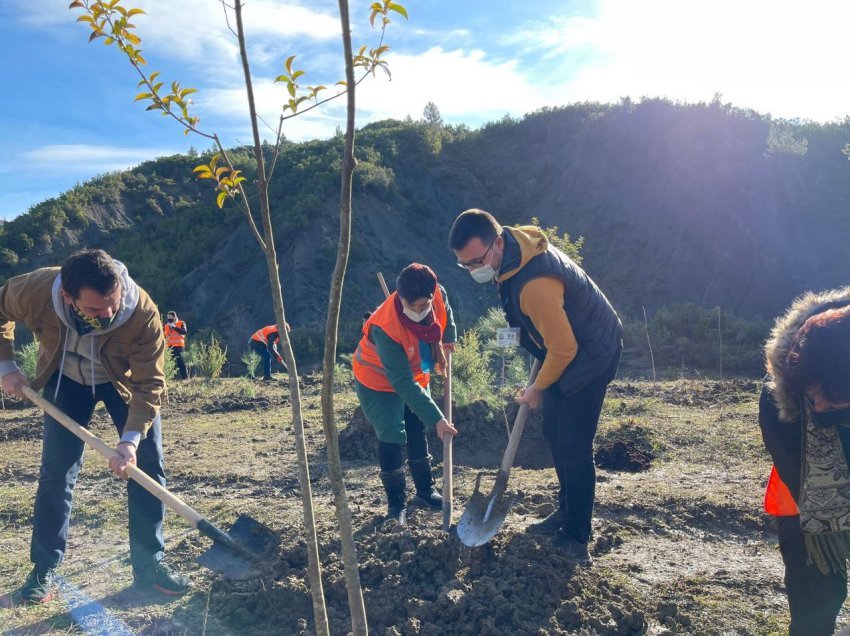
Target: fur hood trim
<point>781,337</point>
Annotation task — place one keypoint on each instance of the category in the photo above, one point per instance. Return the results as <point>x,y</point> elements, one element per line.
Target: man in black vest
<point>568,324</point>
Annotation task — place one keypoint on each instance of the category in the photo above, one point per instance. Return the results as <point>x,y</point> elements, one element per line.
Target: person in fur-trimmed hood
<point>804,415</point>
<point>99,340</point>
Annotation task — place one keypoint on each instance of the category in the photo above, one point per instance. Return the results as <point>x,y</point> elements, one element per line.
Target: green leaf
<point>142,96</point>
<point>214,161</point>
<point>220,199</point>
<point>133,12</point>
<point>296,75</point>
<point>202,168</point>
<point>392,6</point>
<point>291,88</point>
<point>288,63</point>
<point>188,91</point>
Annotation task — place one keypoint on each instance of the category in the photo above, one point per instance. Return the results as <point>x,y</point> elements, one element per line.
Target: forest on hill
<point>709,217</point>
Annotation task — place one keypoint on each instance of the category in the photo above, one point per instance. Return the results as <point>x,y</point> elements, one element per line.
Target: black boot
<point>548,526</point>
<point>396,487</point>
<point>426,494</point>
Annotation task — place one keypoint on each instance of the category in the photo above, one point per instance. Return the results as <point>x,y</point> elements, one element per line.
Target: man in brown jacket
<point>100,339</point>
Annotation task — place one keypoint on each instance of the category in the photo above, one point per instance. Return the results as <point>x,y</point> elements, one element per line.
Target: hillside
<point>703,204</point>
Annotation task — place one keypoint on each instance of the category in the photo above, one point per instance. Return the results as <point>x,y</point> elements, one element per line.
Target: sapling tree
<point>111,21</point>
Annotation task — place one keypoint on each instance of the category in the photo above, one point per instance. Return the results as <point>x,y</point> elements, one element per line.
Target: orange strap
<point>778,500</point>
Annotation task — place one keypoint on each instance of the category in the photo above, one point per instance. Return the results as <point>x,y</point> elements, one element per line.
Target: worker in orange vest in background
<point>174,331</point>
<point>264,342</point>
<point>804,415</point>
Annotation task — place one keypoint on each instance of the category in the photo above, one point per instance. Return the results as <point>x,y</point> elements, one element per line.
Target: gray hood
<point>781,337</point>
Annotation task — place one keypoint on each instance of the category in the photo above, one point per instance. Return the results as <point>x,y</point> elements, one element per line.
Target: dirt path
<point>680,545</point>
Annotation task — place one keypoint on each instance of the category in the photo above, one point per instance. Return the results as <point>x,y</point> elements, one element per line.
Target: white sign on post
<point>507,337</point>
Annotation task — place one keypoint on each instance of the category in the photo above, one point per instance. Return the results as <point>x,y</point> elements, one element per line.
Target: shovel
<point>243,553</point>
<point>484,515</point>
<point>447,447</point>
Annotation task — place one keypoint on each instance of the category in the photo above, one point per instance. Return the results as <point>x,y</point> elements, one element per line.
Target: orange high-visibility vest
<point>173,338</point>
<point>778,500</point>
<point>366,364</point>
<point>262,335</point>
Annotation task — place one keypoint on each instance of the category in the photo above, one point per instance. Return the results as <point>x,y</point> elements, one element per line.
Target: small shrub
<point>209,359</point>
<point>472,379</point>
<point>246,387</point>
<point>28,359</point>
<point>169,366</point>
<point>251,359</point>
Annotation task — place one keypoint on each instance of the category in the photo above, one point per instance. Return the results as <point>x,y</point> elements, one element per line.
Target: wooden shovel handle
<point>447,447</point>
<point>519,424</point>
<point>133,472</point>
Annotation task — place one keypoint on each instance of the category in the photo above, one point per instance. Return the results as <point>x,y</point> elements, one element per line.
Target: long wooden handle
<point>519,424</point>
<point>136,474</point>
<point>447,447</point>
<point>383,284</point>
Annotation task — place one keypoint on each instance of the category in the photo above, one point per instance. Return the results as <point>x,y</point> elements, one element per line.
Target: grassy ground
<point>680,548</point>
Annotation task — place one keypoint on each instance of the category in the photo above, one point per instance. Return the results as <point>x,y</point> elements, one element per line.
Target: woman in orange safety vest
<point>174,332</point>
<point>804,415</point>
<point>404,340</point>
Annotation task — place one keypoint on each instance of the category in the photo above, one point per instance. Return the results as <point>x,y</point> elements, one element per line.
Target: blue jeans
<point>61,460</point>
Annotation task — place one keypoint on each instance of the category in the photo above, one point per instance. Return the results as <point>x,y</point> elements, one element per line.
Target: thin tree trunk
<point>343,512</point>
<point>648,342</point>
<point>314,568</point>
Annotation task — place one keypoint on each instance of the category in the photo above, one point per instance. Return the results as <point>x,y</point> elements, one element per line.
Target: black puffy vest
<point>596,326</point>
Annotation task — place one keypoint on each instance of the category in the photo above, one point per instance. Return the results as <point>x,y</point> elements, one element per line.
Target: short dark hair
<point>416,281</point>
<point>473,223</point>
<point>819,356</point>
<point>91,269</point>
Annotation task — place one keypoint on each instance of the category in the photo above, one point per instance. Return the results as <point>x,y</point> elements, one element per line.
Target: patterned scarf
<point>428,331</point>
<point>825,496</point>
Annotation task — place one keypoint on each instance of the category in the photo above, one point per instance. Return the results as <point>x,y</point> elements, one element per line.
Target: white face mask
<point>483,274</point>
<point>417,317</point>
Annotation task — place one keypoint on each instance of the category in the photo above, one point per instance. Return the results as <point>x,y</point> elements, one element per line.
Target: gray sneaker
<point>39,586</point>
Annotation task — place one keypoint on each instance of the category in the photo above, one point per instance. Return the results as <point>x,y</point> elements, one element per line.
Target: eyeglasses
<point>478,262</point>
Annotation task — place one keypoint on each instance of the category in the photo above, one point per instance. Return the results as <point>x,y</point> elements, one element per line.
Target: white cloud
<point>90,159</point>
<point>769,55</point>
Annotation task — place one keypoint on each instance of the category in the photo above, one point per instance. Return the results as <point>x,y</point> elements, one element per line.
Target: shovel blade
<point>484,515</point>
<point>245,552</point>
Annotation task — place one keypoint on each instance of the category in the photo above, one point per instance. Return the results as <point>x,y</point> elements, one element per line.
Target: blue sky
<point>68,112</point>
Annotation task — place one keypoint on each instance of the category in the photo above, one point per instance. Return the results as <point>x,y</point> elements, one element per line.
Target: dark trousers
<point>569,425</point>
<point>391,456</point>
<point>177,354</point>
<point>814,598</point>
<point>61,461</point>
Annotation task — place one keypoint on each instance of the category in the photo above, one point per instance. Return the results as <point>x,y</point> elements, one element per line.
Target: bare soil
<point>680,543</point>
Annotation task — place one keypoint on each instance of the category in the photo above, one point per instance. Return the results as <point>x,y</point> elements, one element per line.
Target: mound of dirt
<point>419,581</point>
<point>480,443</point>
<point>628,447</point>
